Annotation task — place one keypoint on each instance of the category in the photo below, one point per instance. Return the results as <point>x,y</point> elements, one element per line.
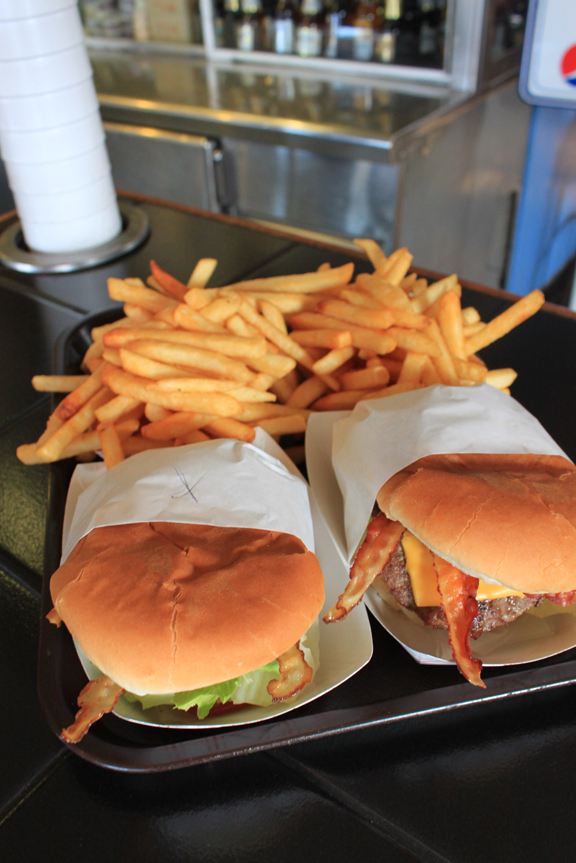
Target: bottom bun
<point>162,607</point>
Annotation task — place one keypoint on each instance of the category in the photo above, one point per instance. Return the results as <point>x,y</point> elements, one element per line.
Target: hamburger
<point>192,615</point>
<point>468,543</point>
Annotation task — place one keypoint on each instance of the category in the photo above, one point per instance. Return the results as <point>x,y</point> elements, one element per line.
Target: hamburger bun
<point>508,519</point>
<point>164,607</point>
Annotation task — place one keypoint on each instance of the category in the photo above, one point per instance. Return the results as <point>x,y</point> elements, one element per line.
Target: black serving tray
<point>391,688</point>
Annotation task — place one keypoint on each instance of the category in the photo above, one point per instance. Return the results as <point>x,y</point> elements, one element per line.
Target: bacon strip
<point>98,697</point>
<point>458,592</point>
<point>381,539</point>
<point>54,617</point>
<point>295,673</point>
<point>563,599</point>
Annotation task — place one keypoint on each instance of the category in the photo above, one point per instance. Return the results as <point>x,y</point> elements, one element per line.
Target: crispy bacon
<point>295,673</point>
<point>563,599</point>
<point>54,617</point>
<point>98,697</point>
<point>381,539</point>
<point>458,592</point>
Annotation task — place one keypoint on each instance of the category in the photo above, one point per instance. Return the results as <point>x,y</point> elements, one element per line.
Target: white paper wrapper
<point>251,485</point>
<point>382,436</point>
<point>363,449</point>
<point>222,482</point>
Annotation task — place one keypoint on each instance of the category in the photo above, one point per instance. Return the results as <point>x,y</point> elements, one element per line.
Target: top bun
<point>509,519</point>
<point>165,607</point>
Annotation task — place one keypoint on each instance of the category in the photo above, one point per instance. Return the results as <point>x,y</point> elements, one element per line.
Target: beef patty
<point>491,613</point>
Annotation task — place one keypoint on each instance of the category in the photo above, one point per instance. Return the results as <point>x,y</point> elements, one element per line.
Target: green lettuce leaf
<point>247,689</point>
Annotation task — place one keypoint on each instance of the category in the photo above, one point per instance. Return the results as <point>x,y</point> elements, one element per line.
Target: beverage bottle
<point>388,17</point>
<point>249,26</point>
<point>309,29</point>
<point>430,24</point>
<point>331,24</point>
<point>284,27</point>
<point>268,15</point>
<point>230,22</point>
<point>362,18</point>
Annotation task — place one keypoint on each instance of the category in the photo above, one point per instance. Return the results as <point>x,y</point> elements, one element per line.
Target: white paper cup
<point>52,145</point>
<point>74,235</point>
<point>44,74</point>
<point>47,110</point>
<point>11,10</point>
<point>40,35</point>
<point>60,176</point>
<point>63,206</point>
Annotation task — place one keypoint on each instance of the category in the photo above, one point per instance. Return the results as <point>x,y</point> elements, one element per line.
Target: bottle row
<point>409,32</point>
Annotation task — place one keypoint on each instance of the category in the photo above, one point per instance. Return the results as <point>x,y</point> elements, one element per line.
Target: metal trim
<point>15,256</point>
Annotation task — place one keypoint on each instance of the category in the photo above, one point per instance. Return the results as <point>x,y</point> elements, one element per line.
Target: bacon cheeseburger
<point>468,543</point>
<point>194,616</point>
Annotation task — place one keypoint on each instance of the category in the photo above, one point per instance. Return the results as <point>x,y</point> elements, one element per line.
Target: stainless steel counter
<point>406,163</point>
<point>329,113</point>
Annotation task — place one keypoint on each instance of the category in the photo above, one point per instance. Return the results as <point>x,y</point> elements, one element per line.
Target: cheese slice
<point>420,567</point>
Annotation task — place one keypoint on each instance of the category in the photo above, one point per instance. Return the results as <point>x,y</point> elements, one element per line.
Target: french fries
<point>188,363</point>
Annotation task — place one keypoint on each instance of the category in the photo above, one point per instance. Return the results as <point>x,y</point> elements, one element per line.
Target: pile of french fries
<point>188,363</point>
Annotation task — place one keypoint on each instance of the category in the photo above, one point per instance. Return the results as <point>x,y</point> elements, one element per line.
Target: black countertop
<point>488,782</point>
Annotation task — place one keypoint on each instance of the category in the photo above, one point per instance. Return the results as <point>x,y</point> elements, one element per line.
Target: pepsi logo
<point>568,66</point>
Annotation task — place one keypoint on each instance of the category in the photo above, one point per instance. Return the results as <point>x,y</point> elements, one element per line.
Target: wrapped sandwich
<point>182,594</point>
<point>474,532</point>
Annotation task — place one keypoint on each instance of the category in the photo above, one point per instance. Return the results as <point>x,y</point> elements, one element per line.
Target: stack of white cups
<point>51,135</point>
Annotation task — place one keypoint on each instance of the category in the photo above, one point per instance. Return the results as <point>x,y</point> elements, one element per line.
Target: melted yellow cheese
<point>423,576</point>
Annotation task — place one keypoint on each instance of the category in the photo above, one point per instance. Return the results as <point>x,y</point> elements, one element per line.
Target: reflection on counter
<point>366,107</point>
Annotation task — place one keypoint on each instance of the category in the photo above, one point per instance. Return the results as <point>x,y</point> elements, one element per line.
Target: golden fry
<point>273,314</point>
<point>52,449</point>
<point>202,273</point>
<point>193,358</point>
<point>111,446</point>
<point>371,318</point>
<point>450,321</point>
<point>323,338</point>
<point>306,283</point>
<point>501,378</point>
<point>499,326</point>
<point>332,361</point>
<point>80,396</point>
<point>374,253</point>
<point>433,292</point>
<point>413,340</point>
<point>362,337</point>
<point>443,362</point>
<point>412,368</point>
<point>276,336</point>
<point>220,309</point>
<point>365,379</point>
<point>57,383</point>
<point>178,424</point>
<point>230,428</point>
<point>140,295</point>
<point>307,392</point>
<point>115,408</point>
<point>395,272</point>
<point>217,404</point>
<point>155,413</point>
<point>283,425</point>
<point>189,319</point>
<point>137,313</point>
